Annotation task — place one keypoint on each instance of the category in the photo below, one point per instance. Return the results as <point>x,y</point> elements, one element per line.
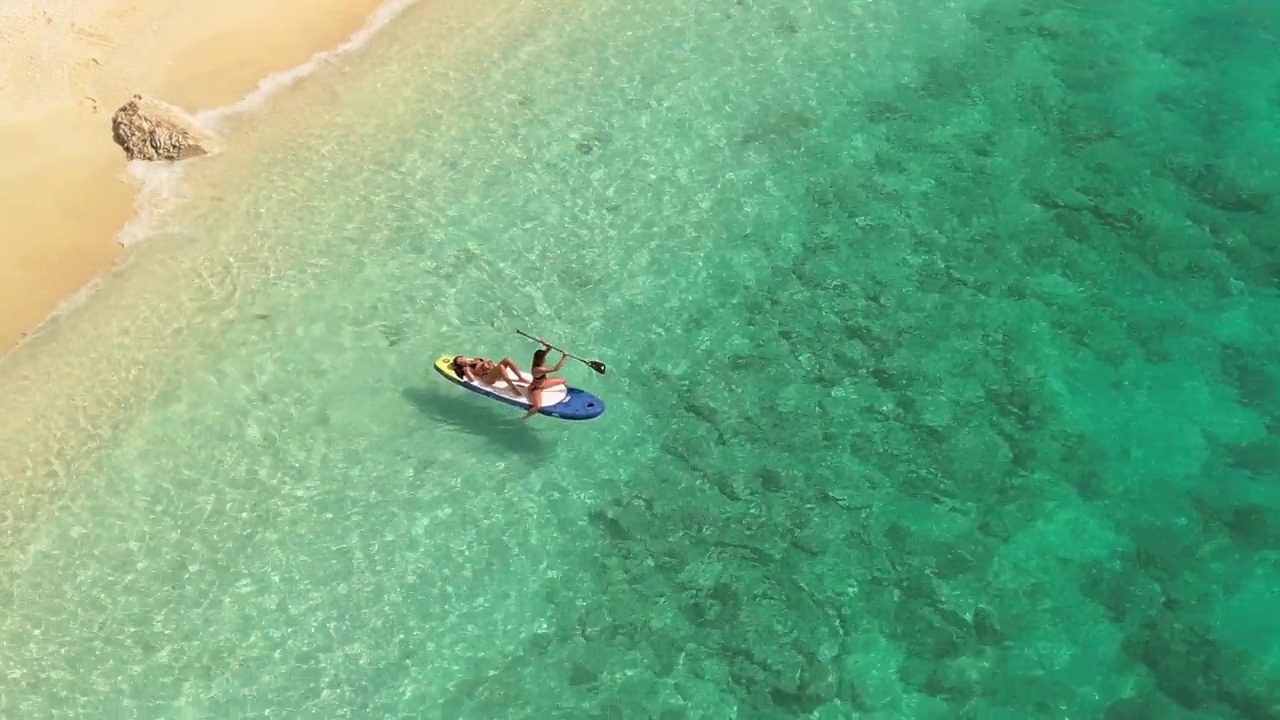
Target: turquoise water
<point>942,382</point>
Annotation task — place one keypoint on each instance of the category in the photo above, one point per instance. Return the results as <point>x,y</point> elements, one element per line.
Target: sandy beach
<point>66,66</point>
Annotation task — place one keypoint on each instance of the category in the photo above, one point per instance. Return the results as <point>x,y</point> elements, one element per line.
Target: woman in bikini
<point>487,371</point>
<point>541,378</point>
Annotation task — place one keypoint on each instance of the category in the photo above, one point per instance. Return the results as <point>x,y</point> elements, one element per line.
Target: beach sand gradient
<point>65,192</point>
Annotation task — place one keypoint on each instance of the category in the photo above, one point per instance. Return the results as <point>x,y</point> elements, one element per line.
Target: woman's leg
<point>535,402</point>
<point>514,376</point>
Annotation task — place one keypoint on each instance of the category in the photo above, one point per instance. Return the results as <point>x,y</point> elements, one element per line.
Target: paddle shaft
<point>593,364</point>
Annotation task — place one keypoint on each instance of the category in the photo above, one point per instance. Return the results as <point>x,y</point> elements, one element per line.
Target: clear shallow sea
<point>943,381</point>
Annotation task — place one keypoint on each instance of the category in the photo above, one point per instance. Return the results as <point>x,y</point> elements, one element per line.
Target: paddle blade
<point>596,365</point>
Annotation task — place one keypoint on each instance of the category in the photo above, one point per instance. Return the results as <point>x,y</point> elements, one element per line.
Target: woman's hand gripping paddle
<point>593,364</point>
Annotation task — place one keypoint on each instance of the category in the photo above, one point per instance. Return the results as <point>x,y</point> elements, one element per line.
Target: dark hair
<point>539,356</point>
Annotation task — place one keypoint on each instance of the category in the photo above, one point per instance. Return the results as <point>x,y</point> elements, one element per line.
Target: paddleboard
<point>561,401</point>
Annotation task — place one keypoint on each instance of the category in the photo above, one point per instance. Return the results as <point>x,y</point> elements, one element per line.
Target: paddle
<point>593,364</point>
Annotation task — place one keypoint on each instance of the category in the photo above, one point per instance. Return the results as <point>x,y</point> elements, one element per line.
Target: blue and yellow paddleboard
<point>561,401</point>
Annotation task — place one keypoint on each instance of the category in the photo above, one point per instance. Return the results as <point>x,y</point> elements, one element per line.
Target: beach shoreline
<point>65,190</point>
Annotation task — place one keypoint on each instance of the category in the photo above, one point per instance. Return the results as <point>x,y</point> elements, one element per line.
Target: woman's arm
<point>563,356</point>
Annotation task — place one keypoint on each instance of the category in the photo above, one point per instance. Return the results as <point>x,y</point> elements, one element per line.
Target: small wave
<point>64,306</point>
<point>160,190</point>
<point>160,184</point>
<point>272,84</point>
